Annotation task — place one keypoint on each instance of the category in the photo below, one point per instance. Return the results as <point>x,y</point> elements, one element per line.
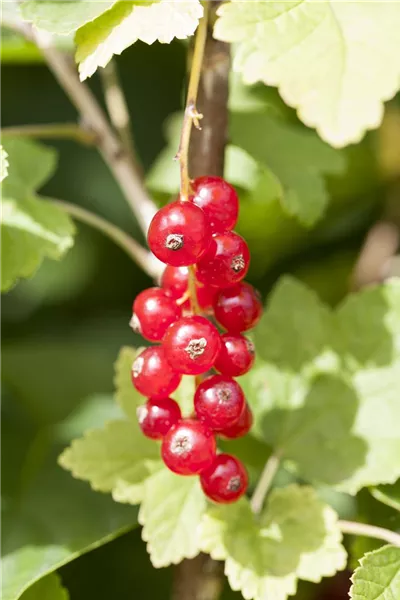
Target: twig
<point>264,483</point>
<point>70,131</point>
<point>192,116</point>
<point>95,119</point>
<point>118,111</point>
<point>371,531</point>
<point>137,253</point>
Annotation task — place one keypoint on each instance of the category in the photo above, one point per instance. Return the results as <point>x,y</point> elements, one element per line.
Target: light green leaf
<point>378,576</point>
<point>296,157</point>
<point>170,513</point>
<point>323,397</point>
<point>47,588</point>
<point>116,459</point>
<point>127,22</point>
<point>322,57</point>
<point>296,537</point>
<point>30,165</point>
<point>388,494</point>
<point>125,393</point>
<point>3,163</point>
<point>65,16</point>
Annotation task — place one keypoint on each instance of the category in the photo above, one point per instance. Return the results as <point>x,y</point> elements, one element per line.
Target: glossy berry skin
<point>219,402</point>
<point>188,448</point>
<point>153,313</point>
<point>191,345</point>
<point>219,201</point>
<point>179,234</point>
<point>236,356</point>
<point>152,375</point>
<point>241,427</point>
<point>226,480</point>
<point>226,261</point>
<point>156,417</point>
<point>238,308</point>
<point>174,281</point>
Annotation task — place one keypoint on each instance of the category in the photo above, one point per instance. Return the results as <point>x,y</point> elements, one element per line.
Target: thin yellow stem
<point>70,131</point>
<point>192,116</point>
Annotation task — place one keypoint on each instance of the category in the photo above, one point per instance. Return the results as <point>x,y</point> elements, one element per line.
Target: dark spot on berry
<point>250,346</point>
<point>234,483</point>
<point>174,241</point>
<point>181,445</point>
<point>238,263</point>
<point>135,324</point>
<point>195,348</point>
<point>224,395</point>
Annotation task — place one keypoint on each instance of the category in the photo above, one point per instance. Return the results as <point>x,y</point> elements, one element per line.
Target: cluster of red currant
<point>198,232</point>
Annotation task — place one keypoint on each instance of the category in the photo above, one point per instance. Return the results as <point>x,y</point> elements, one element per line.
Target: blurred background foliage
<point>63,328</point>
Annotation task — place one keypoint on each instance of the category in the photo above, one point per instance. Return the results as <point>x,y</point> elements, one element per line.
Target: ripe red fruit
<point>153,313</point>
<point>219,402</point>
<point>241,427</point>
<point>219,201</point>
<point>152,375</point>
<point>174,281</point>
<point>157,416</point>
<point>179,234</point>
<point>238,308</point>
<point>226,261</point>
<point>188,448</point>
<point>191,345</point>
<point>226,480</point>
<point>236,356</point>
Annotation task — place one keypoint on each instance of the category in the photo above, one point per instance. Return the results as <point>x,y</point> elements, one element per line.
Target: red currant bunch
<point>202,291</point>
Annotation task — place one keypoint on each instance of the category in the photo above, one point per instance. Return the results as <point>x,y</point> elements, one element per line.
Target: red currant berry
<point>226,480</point>
<point>157,416</point>
<point>153,313</point>
<point>236,356</point>
<point>174,281</point>
<point>179,234</point>
<point>152,374</point>
<point>219,402</point>
<point>238,308</point>
<point>188,448</point>
<point>226,261</point>
<point>241,427</point>
<point>191,345</point>
<point>219,201</point>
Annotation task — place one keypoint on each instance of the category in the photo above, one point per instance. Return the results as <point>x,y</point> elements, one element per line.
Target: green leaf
<point>295,537</point>
<point>296,157</point>
<point>388,494</point>
<point>32,228</point>
<point>378,576</point>
<point>323,398</point>
<point>47,588</point>
<point>116,459</point>
<point>3,163</point>
<point>127,22</point>
<point>322,57</point>
<point>170,513</point>
<point>125,393</point>
<point>65,16</point>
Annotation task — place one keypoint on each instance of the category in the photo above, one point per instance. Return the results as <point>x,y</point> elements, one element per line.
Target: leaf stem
<point>70,131</point>
<point>191,115</point>
<point>95,120</point>
<point>135,251</point>
<point>363,529</point>
<point>264,483</point>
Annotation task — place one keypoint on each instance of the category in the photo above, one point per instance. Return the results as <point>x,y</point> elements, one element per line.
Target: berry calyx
<point>236,356</point>
<point>241,427</point>
<point>226,261</point>
<point>238,308</point>
<point>219,201</point>
<point>156,417</point>
<point>152,375</point>
<point>188,448</point>
<point>153,313</point>
<point>219,402</point>
<point>179,234</point>
<point>226,480</point>
<point>191,345</point>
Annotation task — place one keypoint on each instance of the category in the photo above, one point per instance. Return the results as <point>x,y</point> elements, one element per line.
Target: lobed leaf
<point>378,576</point>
